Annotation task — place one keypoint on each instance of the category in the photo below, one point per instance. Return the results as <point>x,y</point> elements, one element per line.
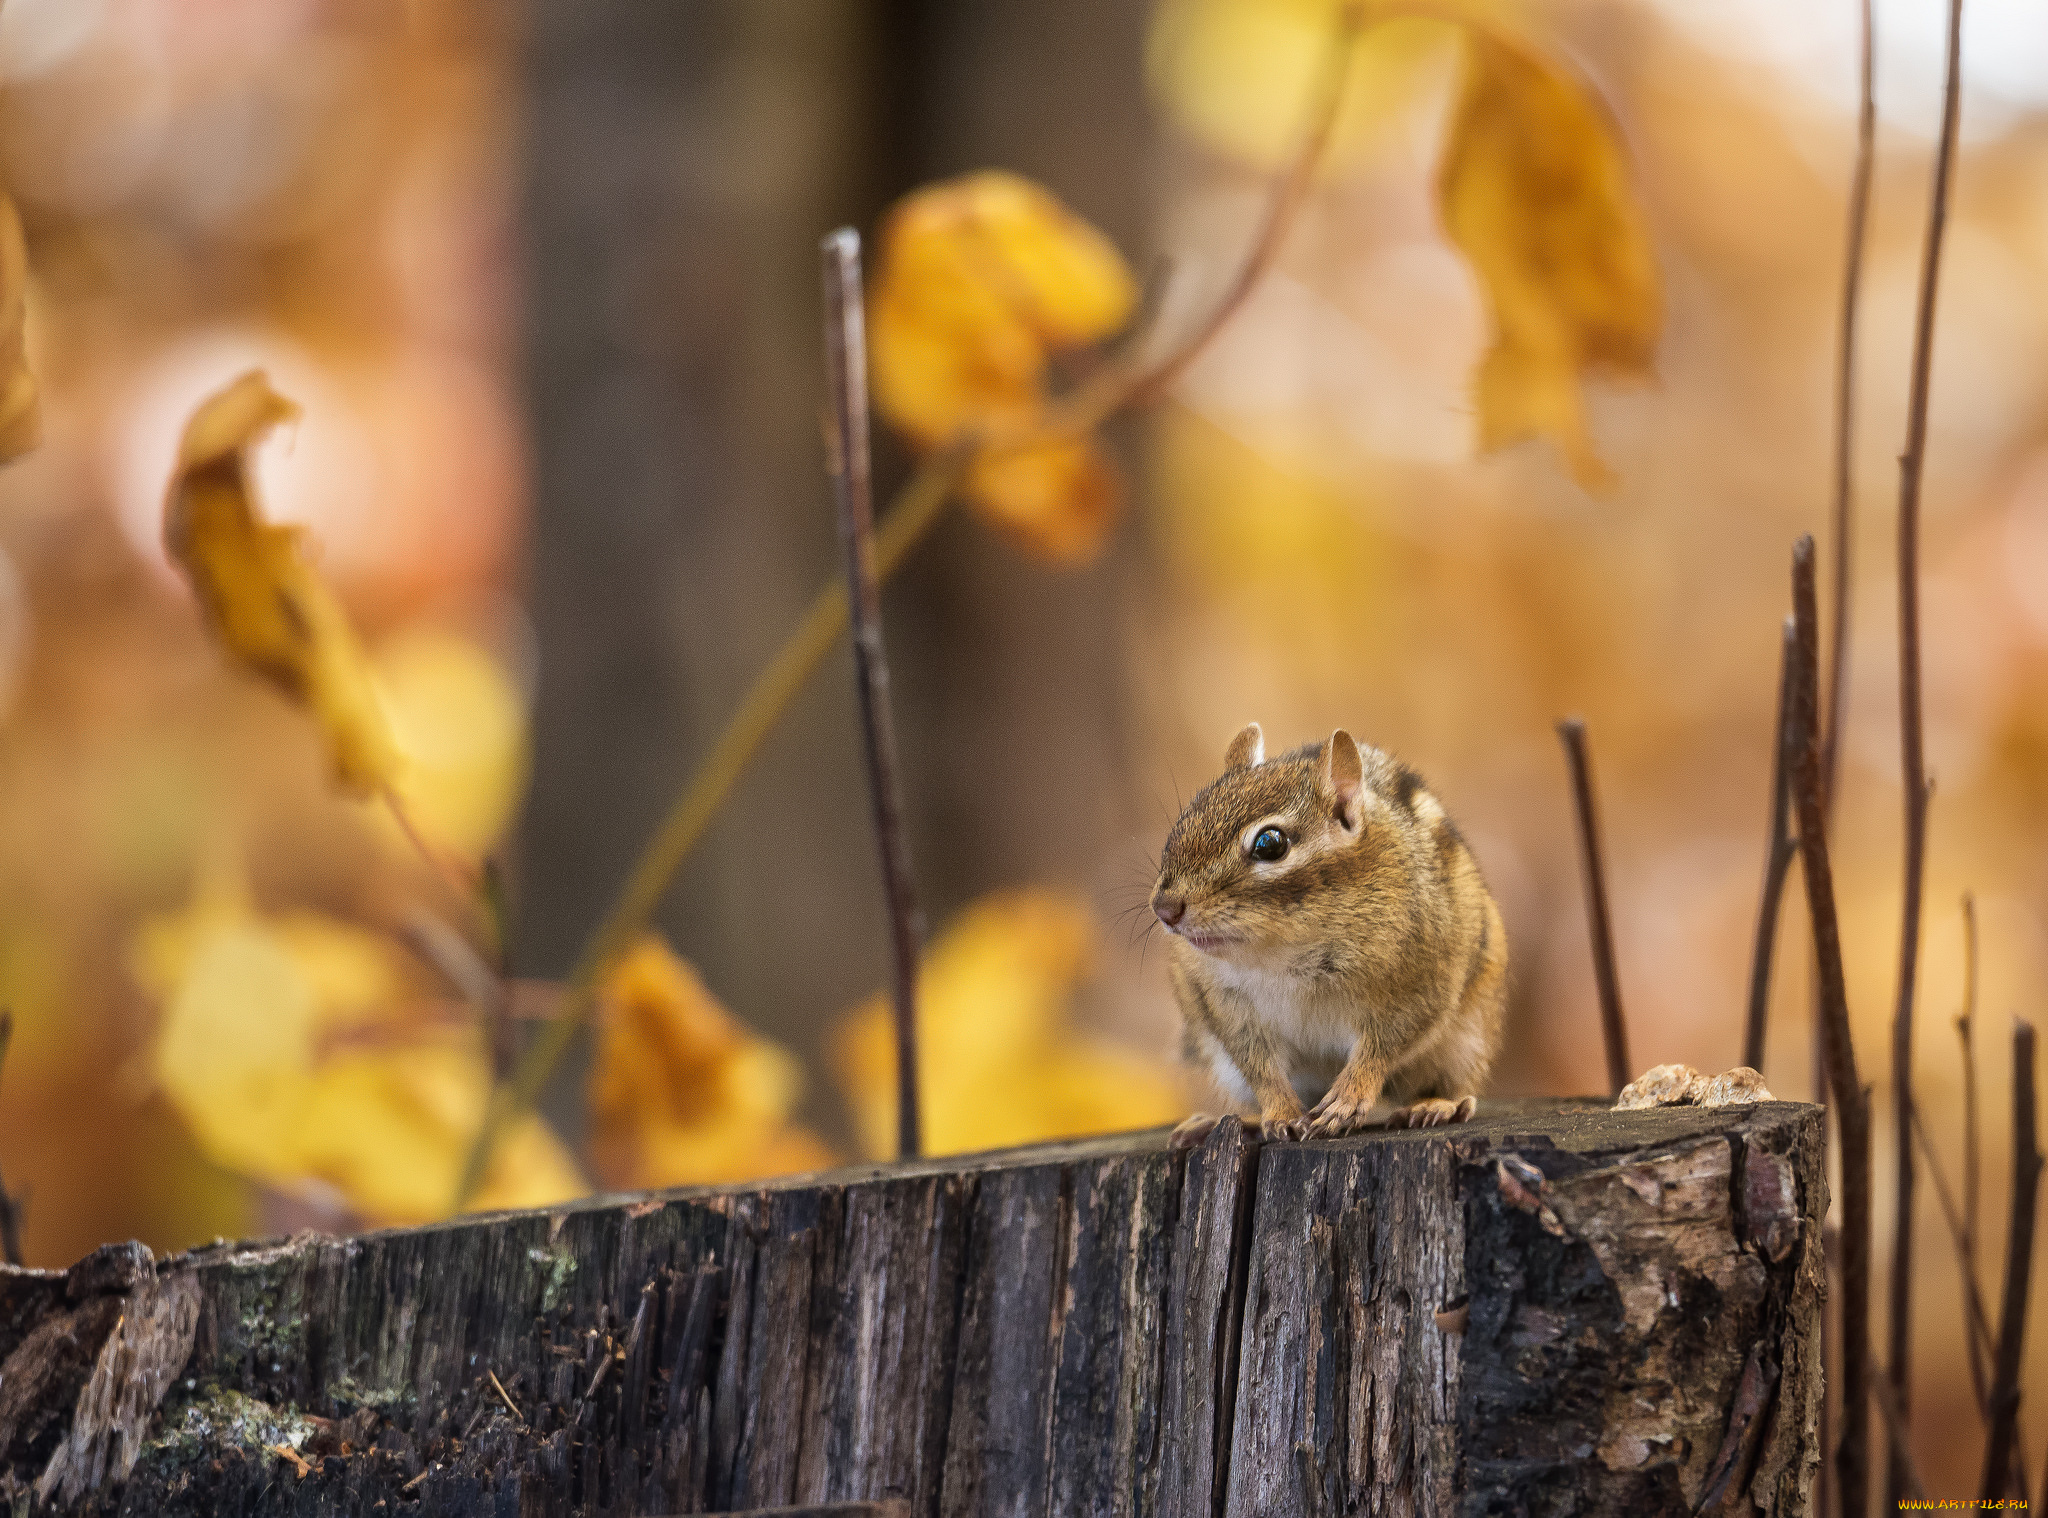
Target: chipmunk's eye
<point>1269,845</point>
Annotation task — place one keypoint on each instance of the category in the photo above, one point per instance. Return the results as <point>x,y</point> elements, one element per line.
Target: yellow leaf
<point>248,1001</point>
<point>236,1047</point>
<point>1057,499</point>
<point>681,1094</point>
<point>391,1129</point>
<point>981,283</point>
<point>981,280</point>
<point>262,600</point>
<point>1536,192</point>
<point>460,726</point>
<point>998,1061</point>
<point>21,418</point>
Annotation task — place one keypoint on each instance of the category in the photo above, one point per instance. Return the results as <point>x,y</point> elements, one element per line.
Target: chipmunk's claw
<point>1193,1129</point>
<point>1335,1116</point>
<point>1285,1130</point>
<point>1431,1111</point>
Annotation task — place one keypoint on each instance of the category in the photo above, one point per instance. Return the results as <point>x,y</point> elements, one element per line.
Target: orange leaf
<point>1536,192</point>
<point>682,1094</point>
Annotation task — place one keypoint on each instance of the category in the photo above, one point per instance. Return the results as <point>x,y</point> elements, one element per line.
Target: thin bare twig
<point>1777,862</point>
<point>1896,1430</point>
<point>10,1205</point>
<point>475,981</point>
<point>1899,1316</point>
<point>1967,1244</point>
<point>1843,542</point>
<point>1979,1324</point>
<point>1911,733</point>
<point>1288,194</point>
<point>918,505</point>
<point>1824,1478</point>
<point>1613,1030</point>
<point>1845,399</point>
<point>1850,1100</point>
<point>496,902</point>
<point>445,867</point>
<point>846,364</point>
<point>2019,1260</point>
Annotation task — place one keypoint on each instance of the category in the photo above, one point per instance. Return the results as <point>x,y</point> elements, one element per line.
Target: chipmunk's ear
<point>1246,749</point>
<point>1344,773</point>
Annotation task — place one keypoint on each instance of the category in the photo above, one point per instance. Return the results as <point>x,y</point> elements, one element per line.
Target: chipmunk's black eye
<point>1269,845</point>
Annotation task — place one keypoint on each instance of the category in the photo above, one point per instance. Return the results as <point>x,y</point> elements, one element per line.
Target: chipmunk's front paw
<point>1193,1129</point>
<point>1431,1111</point>
<point>1334,1116</point>
<point>1285,1128</point>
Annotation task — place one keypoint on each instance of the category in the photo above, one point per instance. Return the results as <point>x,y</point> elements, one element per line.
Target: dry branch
<point>1613,1031</point>
<point>846,365</point>
<point>1845,397</point>
<point>2019,1257</point>
<point>1965,1023</point>
<point>1843,537</point>
<point>1851,1101</point>
<point>1778,857</point>
<point>1911,732</point>
<point>1899,1432</point>
<point>481,986</point>
<point>1977,1323</point>
<point>10,1205</point>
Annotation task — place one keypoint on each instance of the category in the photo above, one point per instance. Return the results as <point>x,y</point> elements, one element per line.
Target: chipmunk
<point>1331,941</point>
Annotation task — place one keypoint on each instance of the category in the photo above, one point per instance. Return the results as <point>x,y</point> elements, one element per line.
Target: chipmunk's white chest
<point>1305,1015</point>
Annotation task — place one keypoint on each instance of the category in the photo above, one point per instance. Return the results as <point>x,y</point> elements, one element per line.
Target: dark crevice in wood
<point>1065,1241</point>
<point>933,1468</point>
<point>1231,1330</point>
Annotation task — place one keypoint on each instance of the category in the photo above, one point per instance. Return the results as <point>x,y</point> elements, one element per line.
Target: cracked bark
<point>1552,1309</point>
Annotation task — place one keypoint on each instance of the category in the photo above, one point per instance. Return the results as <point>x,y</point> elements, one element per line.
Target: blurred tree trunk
<point>682,162</point>
<point>1018,744</point>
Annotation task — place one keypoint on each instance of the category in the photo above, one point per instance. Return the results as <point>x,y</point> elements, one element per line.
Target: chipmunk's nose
<point>1170,909</point>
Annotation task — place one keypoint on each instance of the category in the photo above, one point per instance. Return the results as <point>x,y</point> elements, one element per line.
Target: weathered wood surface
<point>1548,1310</point>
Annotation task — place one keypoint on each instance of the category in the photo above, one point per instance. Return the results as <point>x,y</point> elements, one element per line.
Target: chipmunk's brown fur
<point>1367,960</point>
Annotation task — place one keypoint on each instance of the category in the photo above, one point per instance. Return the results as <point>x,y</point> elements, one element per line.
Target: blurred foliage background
<point>543,279</point>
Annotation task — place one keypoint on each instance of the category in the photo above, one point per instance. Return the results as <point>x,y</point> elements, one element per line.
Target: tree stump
<point>1551,1309</point>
